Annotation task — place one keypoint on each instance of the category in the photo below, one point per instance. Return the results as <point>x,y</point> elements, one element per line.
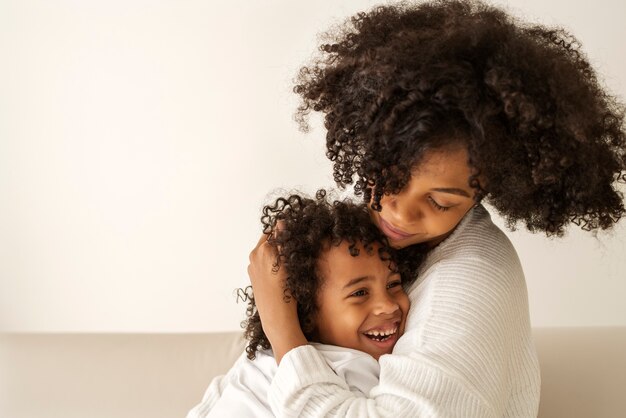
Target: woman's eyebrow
<point>355,281</point>
<point>451,190</point>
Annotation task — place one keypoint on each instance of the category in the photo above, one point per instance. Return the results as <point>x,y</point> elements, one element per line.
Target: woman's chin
<point>399,244</point>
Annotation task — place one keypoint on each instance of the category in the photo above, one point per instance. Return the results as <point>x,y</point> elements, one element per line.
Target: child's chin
<point>379,354</point>
<point>379,348</point>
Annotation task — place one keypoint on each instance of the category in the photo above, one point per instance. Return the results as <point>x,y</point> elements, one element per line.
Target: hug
<point>408,301</point>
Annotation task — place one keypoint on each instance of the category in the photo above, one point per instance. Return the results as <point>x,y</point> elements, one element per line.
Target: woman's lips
<point>392,232</point>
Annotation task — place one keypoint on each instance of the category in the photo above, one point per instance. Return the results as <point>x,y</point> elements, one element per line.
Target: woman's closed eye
<point>436,205</point>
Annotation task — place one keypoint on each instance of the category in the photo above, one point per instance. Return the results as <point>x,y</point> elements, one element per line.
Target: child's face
<point>361,302</point>
<point>431,204</point>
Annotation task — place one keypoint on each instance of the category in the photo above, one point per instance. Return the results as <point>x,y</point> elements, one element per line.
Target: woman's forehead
<point>446,168</point>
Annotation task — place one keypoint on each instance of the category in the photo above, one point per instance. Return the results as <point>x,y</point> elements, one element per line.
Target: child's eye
<point>437,205</point>
<point>395,283</point>
<point>359,293</point>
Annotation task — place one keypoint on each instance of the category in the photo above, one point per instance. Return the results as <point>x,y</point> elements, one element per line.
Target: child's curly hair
<point>307,228</point>
<point>545,141</point>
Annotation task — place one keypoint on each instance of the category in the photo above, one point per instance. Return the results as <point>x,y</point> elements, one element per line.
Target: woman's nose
<point>401,209</point>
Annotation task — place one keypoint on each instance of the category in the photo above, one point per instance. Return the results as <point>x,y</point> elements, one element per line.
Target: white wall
<point>139,140</point>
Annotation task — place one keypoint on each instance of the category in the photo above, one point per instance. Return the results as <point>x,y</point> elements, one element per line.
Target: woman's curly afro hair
<point>546,142</point>
<point>307,228</point>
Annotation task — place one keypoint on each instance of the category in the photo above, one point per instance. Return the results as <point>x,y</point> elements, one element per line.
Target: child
<point>350,298</point>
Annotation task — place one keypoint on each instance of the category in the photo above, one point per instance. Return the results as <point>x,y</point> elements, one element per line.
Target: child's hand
<point>278,311</point>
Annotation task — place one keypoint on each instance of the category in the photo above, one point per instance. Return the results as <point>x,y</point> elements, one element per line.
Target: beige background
<point>139,140</point>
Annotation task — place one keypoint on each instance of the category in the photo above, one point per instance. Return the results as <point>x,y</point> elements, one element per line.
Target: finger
<point>262,240</point>
<point>256,248</point>
<point>262,250</point>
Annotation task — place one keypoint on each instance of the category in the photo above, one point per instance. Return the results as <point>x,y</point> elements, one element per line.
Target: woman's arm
<point>458,357</point>
<point>278,311</point>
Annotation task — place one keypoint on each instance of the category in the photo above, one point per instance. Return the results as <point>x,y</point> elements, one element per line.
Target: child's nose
<point>385,304</point>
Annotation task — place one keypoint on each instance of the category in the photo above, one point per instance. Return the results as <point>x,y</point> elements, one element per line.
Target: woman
<point>431,108</point>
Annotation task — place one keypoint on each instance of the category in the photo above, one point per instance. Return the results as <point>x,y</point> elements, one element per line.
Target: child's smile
<point>384,337</point>
<point>362,304</point>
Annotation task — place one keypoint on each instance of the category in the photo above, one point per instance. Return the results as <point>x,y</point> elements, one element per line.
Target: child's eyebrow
<point>355,281</point>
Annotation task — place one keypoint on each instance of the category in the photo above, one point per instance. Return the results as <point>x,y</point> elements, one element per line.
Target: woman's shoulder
<point>475,281</point>
<point>477,243</point>
<point>477,258</point>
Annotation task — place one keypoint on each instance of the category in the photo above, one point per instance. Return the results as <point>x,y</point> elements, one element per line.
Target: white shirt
<point>242,392</point>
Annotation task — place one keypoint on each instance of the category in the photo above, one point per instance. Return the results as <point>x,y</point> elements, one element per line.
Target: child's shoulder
<point>341,355</point>
<point>360,370</point>
<point>263,365</point>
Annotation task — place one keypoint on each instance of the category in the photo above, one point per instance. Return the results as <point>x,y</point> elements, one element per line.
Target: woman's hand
<point>278,311</point>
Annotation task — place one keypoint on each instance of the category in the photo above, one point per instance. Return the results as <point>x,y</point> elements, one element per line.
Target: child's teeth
<point>377,333</point>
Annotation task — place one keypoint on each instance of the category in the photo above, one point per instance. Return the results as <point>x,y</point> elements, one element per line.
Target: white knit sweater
<point>467,350</point>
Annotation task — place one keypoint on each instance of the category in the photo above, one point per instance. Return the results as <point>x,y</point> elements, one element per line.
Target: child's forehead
<point>337,264</point>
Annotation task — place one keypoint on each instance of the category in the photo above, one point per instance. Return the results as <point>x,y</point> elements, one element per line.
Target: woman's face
<point>432,203</point>
<point>361,302</point>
